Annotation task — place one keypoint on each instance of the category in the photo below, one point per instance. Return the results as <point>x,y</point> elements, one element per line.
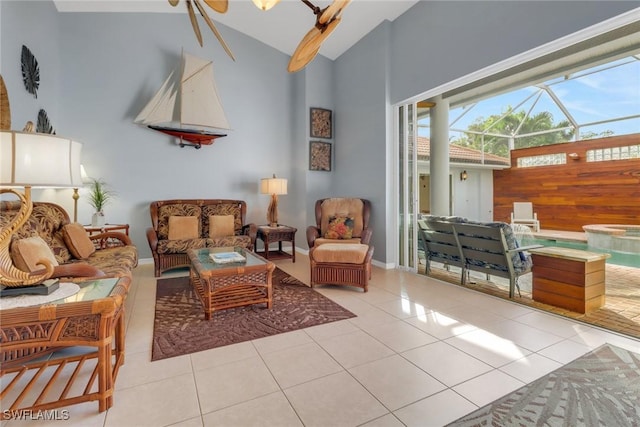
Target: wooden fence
<point>578,192</point>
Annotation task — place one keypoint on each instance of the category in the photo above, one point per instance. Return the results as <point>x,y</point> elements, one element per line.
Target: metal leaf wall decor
<point>43,125</point>
<point>30,71</point>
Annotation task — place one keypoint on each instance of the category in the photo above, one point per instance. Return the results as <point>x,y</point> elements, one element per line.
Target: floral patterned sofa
<point>48,221</point>
<point>180,225</point>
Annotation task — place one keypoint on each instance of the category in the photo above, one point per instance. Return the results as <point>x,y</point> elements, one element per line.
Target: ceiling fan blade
<point>305,51</point>
<point>213,28</point>
<point>333,11</point>
<point>309,46</point>
<point>194,22</point>
<point>174,3</point>
<point>219,6</point>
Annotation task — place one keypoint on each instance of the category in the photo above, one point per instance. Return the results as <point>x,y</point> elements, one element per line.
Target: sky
<point>601,93</point>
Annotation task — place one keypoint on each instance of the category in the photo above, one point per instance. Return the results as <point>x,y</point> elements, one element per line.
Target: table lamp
<point>84,179</point>
<point>273,186</point>
<point>32,160</point>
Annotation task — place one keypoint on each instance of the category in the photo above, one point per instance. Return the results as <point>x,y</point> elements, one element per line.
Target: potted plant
<point>99,197</point>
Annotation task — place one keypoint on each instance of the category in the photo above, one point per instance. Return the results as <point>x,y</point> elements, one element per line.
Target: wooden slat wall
<point>566,197</point>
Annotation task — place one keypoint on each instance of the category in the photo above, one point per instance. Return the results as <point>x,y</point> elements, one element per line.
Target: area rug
<point>180,328</point>
<point>601,388</point>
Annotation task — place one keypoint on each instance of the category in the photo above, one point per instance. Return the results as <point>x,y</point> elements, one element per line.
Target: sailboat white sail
<point>188,108</point>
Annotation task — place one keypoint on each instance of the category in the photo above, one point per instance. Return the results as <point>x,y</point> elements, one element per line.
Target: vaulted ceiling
<point>281,27</point>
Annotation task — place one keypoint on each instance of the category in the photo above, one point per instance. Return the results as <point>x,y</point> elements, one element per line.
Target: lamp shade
<point>273,185</point>
<point>39,160</point>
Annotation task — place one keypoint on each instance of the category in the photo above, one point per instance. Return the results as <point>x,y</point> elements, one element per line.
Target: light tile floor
<point>620,312</point>
<point>421,352</point>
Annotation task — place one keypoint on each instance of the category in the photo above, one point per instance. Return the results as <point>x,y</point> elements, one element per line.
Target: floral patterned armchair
<point>340,220</point>
<point>340,252</point>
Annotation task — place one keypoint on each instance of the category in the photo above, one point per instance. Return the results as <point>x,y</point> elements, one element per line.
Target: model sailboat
<point>188,108</point>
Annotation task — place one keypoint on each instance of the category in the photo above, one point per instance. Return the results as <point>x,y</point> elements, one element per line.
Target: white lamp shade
<point>39,160</point>
<point>273,186</point>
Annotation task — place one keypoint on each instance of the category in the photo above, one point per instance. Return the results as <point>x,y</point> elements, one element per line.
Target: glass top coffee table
<point>91,322</point>
<point>223,285</point>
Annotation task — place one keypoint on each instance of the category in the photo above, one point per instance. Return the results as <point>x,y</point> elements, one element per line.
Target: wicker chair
<point>172,253</point>
<point>339,244</point>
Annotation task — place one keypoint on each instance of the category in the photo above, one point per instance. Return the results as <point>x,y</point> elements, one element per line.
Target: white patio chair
<point>523,214</point>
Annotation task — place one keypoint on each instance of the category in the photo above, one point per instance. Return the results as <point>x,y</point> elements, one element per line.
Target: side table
<point>569,278</point>
<point>123,228</point>
<point>106,241</point>
<point>279,234</point>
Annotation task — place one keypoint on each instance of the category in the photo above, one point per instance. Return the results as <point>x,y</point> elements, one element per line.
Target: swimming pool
<point>616,237</point>
<point>618,258</point>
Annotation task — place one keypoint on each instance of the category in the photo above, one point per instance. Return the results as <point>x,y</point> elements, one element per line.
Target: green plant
<point>99,194</point>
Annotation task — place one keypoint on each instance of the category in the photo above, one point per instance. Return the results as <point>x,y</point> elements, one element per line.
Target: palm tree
<point>511,124</point>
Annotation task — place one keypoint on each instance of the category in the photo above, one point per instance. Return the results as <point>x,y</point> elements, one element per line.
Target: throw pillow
<point>183,227</point>
<point>25,254</point>
<point>221,226</point>
<point>77,240</point>
<point>340,227</point>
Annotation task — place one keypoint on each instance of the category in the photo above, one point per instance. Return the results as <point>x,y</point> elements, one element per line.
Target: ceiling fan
<point>220,6</point>
<point>327,20</point>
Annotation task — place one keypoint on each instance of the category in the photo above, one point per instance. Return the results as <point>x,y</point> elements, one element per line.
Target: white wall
<point>472,198</point>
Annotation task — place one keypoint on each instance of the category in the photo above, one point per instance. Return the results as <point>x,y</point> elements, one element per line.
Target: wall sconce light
<point>574,156</point>
<point>463,176</point>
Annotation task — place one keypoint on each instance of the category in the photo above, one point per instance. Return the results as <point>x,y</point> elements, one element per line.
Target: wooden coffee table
<point>223,286</point>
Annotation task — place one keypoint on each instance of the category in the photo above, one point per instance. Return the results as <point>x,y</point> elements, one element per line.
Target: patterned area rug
<point>601,388</point>
<point>180,328</point>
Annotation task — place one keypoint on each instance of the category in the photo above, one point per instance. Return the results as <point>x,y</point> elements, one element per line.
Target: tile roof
<point>459,154</point>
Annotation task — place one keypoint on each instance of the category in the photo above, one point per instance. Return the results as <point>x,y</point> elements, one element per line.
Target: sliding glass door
<point>407,187</point>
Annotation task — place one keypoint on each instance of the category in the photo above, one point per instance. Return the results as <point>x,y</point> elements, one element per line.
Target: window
<point>614,153</point>
<point>544,160</point>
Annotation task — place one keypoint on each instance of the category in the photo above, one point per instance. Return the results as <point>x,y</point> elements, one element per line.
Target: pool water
<point>618,258</point>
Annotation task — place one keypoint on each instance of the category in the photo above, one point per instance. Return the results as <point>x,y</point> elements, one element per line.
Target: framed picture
<point>319,156</point>
<point>320,120</point>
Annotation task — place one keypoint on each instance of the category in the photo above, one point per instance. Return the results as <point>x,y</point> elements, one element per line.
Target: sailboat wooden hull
<point>194,136</point>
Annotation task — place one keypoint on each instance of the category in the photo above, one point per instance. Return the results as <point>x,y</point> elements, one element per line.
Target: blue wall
<point>99,69</point>
<point>436,42</point>
<point>363,126</point>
